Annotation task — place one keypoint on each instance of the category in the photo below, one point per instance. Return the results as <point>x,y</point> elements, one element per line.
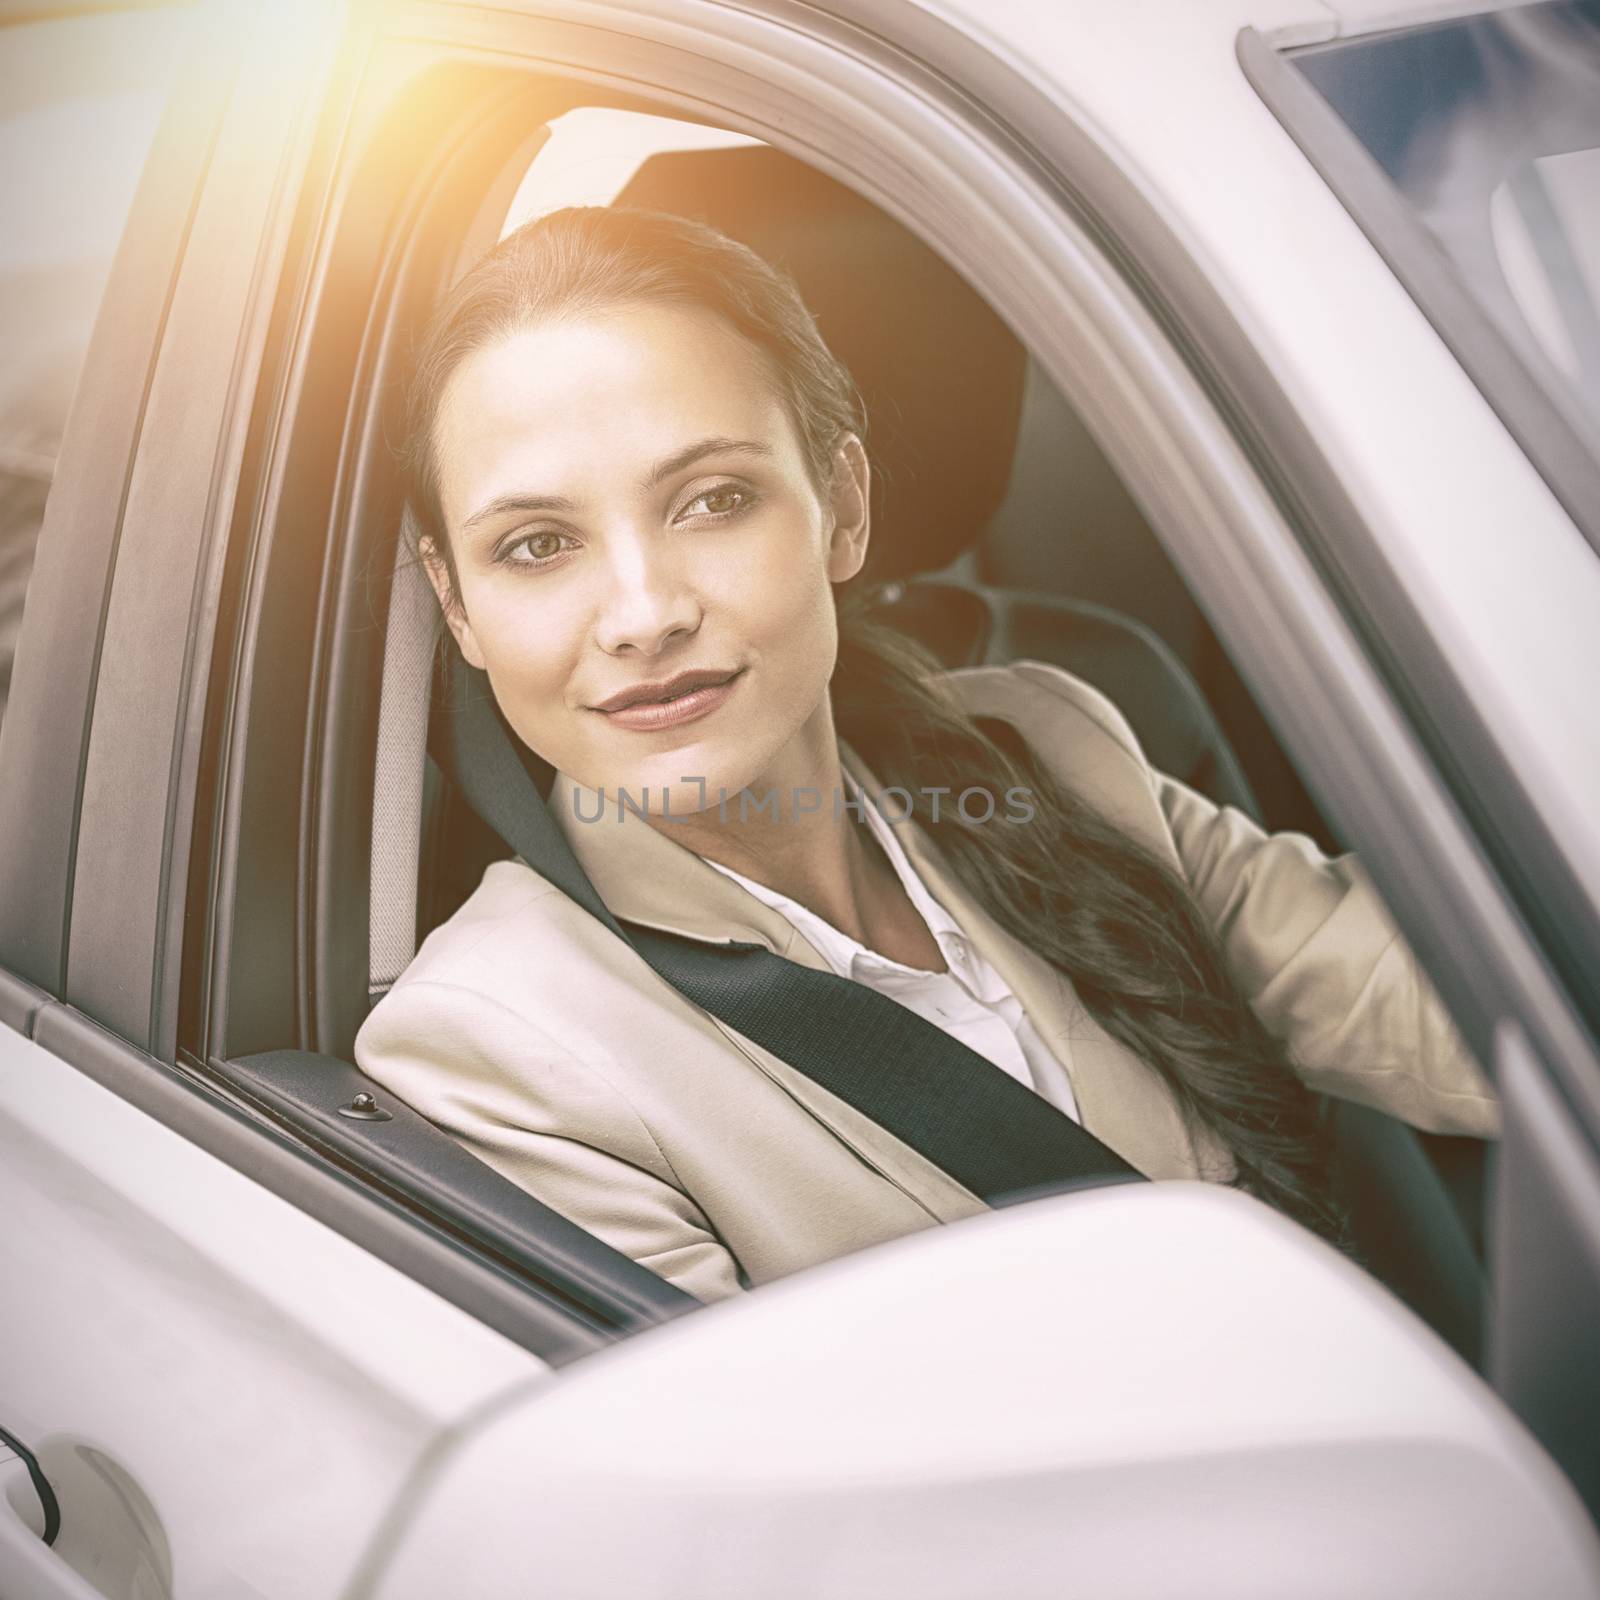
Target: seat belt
<point>970,1118</point>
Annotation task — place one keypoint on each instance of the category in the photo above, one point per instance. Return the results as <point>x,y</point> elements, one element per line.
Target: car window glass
<point>593,151</point>
<point>1490,129</point>
<point>80,97</point>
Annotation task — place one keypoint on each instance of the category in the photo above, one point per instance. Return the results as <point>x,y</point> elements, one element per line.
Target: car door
<point>204,1390</point>
<point>974,131</point>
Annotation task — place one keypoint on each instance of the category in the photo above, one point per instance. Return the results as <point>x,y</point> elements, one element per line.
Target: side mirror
<point>1147,1390</point>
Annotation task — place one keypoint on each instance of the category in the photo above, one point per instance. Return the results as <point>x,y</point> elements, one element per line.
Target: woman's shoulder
<point>493,926</point>
<point>1075,729</point>
<point>517,960</point>
<point>1039,697</point>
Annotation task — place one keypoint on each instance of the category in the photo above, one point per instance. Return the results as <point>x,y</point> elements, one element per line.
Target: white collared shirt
<point>971,1001</point>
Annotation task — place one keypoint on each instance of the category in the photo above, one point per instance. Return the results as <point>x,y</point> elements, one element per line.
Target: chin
<point>666,771</point>
<point>722,771</point>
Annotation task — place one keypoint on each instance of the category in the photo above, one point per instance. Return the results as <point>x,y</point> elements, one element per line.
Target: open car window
<point>1011,558</point>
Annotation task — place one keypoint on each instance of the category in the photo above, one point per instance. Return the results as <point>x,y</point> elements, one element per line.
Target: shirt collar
<point>846,954</point>
<point>645,876</point>
<point>940,923</point>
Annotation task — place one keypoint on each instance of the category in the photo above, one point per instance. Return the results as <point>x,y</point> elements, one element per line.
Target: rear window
<point>79,100</point>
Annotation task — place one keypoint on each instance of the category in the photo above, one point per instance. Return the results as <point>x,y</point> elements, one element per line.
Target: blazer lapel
<point>645,876</point>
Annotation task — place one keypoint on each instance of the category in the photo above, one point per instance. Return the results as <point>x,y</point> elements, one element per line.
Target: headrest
<point>940,374</point>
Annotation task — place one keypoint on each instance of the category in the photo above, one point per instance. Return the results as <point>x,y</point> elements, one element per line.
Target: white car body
<point>256,1403</point>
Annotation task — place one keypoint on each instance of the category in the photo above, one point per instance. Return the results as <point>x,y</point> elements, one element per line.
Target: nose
<point>648,601</point>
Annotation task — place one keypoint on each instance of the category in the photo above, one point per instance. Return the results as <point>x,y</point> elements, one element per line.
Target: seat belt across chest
<point>969,1117</point>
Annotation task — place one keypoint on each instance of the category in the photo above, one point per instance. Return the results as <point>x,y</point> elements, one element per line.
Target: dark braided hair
<point>1117,920</point>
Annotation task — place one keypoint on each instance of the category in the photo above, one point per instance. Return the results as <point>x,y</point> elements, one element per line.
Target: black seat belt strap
<point>968,1116</point>
<point>972,1119</point>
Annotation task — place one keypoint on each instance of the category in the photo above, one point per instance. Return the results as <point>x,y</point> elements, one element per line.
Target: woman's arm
<point>1305,936</point>
<point>546,1120</point>
<point>1312,947</point>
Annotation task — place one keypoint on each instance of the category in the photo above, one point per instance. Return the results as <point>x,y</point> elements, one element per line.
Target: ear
<point>851,508</point>
<point>454,615</point>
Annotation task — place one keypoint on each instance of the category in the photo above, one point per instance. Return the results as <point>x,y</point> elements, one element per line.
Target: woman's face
<point>627,500</point>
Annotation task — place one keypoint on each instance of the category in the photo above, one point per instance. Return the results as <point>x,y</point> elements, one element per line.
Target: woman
<point>640,479</point>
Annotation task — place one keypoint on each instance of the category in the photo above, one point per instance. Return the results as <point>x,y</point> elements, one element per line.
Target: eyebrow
<point>662,470</point>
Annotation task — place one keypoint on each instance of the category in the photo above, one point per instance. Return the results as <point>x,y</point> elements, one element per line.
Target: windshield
<point>1490,128</point>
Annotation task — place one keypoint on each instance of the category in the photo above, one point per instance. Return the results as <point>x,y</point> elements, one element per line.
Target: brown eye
<point>533,549</point>
<point>719,502</point>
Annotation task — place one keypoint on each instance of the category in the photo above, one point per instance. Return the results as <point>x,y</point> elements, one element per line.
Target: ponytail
<point>1115,919</point>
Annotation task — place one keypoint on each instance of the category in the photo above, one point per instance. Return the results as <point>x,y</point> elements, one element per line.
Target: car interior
<point>1000,532</point>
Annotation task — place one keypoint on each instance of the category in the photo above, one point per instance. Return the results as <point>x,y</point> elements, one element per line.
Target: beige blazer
<point>557,1055</point>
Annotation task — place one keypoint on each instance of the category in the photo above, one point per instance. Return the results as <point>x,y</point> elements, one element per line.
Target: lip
<point>700,693</point>
<point>679,683</point>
